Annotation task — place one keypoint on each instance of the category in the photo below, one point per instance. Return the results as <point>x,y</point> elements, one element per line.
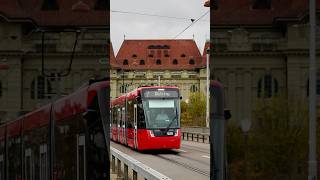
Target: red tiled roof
<point>66,15</point>
<point>204,53</point>
<point>136,50</point>
<point>240,12</point>
<point>207,3</point>
<point>113,62</point>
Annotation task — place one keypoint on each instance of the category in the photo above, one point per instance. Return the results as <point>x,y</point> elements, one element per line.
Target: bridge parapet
<point>137,169</point>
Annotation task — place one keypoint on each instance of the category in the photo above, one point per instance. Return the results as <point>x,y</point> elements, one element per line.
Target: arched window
<point>267,86</point>
<point>0,89</point>
<point>194,88</point>
<point>123,89</point>
<point>183,55</point>
<point>134,55</point>
<point>191,61</point>
<point>142,62</point>
<point>158,62</point>
<point>317,85</point>
<point>125,62</point>
<point>40,88</point>
<point>175,61</point>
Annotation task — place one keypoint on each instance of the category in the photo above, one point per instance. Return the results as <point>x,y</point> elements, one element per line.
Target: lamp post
<point>245,127</point>
<point>208,84</point>
<point>312,163</point>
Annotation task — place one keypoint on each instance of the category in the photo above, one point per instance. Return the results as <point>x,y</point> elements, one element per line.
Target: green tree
<point>277,144</point>
<point>197,108</point>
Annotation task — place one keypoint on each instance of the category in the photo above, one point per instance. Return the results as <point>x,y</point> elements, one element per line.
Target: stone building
<point>176,62</point>
<point>25,26</point>
<point>260,50</point>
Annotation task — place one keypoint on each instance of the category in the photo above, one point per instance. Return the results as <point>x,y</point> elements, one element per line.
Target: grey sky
<point>149,27</point>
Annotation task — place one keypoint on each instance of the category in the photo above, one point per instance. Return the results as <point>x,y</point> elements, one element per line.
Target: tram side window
<point>43,161</point>
<point>123,116</point>
<point>2,157</point>
<point>14,158</point>
<point>29,171</point>
<point>95,151</point>
<point>114,117</point>
<point>130,114</point>
<point>141,119</point>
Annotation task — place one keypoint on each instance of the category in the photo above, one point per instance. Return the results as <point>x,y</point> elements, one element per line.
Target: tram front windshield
<point>161,112</point>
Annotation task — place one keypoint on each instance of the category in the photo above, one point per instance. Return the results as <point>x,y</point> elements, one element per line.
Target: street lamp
<point>208,84</point>
<point>245,127</point>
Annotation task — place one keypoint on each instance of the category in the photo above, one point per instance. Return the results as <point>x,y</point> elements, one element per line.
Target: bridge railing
<point>137,169</point>
<point>195,136</point>
<point>198,134</point>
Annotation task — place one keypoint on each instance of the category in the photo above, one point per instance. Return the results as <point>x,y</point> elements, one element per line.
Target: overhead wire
<point>153,15</point>
<point>193,22</point>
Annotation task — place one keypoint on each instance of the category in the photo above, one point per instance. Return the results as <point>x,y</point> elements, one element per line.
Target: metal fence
<point>198,134</point>
<point>132,168</point>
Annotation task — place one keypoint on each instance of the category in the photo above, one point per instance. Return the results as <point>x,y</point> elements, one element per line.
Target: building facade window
<point>191,61</point>
<point>142,62</point>
<point>267,87</point>
<point>183,55</point>
<point>125,62</point>
<point>261,4</point>
<point>40,88</point>
<point>194,88</point>
<point>158,62</point>
<point>175,61</point>
<point>317,85</point>
<point>123,89</point>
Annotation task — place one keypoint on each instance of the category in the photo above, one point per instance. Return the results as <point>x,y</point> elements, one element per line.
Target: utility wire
<point>193,22</point>
<point>153,15</point>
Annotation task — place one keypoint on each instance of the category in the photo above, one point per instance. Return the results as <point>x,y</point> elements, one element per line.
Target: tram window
<point>1,167</point>
<point>14,158</point>
<point>141,119</point>
<point>28,165</point>
<point>43,162</point>
<point>81,158</point>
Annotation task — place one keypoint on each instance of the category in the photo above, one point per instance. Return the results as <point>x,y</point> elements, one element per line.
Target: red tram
<point>66,139</point>
<point>147,118</point>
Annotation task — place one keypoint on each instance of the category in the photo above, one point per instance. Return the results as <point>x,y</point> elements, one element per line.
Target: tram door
<point>1,167</point>
<point>118,124</point>
<point>135,130</point>
<point>123,130</point>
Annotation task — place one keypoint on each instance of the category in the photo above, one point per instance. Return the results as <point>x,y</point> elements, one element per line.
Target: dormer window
<point>134,56</point>
<point>183,55</point>
<point>215,4</point>
<point>101,5</point>
<point>175,62</point>
<point>50,5</point>
<point>125,62</point>
<point>191,61</point>
<point>141,62</point>
<point>158,62</point>
<point>261,4</point>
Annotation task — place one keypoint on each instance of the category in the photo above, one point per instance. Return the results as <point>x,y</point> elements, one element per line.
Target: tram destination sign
<point>155,93</point>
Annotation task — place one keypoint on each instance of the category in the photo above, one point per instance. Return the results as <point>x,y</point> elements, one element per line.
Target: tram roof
<point>134,93</point>
<point>65,107</point>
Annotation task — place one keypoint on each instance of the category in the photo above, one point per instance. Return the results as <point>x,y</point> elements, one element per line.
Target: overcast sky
<point>135,26</point>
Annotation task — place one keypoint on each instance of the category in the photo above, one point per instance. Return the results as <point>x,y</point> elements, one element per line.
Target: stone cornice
<point>56,54</point>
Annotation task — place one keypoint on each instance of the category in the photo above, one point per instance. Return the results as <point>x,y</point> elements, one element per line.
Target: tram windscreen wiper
<point>175,117</point>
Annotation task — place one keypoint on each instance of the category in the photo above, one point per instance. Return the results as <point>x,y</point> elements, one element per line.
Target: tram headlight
<point>176,132</point>
<point>151,133</point>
